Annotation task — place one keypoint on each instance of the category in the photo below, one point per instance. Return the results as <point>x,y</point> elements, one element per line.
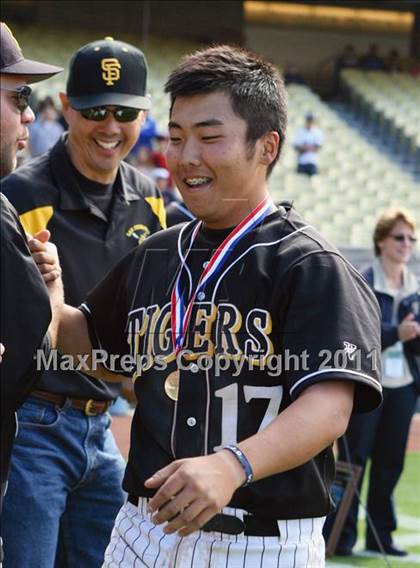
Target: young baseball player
<point>249,337</point>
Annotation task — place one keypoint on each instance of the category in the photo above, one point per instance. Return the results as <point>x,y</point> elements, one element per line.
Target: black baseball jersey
<point>25,316</point>
<point>49,193</point>
<point>285,312</point>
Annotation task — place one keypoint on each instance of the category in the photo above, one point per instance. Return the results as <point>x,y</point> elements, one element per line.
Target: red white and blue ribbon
<point>180,310</point>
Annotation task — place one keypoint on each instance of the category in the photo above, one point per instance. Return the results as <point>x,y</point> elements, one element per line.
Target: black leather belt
<point>249,526</point>
<point>228,524</point>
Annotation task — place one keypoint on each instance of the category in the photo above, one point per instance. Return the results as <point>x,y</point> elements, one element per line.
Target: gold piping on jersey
<point>36,219</point>
<point>158,208</point>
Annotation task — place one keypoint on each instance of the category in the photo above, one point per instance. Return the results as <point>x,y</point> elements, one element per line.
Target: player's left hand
<point>45,256</point>
<point>191,491</point>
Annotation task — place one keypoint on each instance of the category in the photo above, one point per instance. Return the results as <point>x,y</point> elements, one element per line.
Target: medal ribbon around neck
<point>180,317</point>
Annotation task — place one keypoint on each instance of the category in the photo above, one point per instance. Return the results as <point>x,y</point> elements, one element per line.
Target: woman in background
<point>382,435</point>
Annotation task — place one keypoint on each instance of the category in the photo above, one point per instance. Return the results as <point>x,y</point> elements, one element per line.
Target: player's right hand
<point>45,256</point>
<point>191,491</point>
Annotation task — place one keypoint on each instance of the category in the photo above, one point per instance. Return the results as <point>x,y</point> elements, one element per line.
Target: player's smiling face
<point>97,148</point>
<point>219,176</point>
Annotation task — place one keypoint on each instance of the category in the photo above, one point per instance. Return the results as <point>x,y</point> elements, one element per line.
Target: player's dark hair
<point>386,223</point>
<point>255,87</point>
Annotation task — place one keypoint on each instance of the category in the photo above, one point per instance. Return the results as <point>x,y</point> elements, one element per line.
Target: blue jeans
<point>64,488</point>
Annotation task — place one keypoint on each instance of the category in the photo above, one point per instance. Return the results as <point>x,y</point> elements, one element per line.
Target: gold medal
<point>172,385</point>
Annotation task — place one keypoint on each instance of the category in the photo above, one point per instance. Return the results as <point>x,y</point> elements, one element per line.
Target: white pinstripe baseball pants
<point>138,543</point>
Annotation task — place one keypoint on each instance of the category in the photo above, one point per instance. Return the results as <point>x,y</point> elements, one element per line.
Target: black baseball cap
<point>108,72</point>
<point>12,61</point>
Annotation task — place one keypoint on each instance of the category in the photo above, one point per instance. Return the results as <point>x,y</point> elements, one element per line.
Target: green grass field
<point>407,500</point>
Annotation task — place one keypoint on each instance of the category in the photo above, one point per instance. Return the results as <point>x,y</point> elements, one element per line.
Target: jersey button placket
<point>190,413</point>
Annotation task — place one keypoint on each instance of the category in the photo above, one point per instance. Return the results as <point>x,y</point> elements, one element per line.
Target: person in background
<point>292,75</point>
<point>159,150</point>
<point>372,61</point>
<point>147,135</point>
<point>347,59</point>
<point>46,130</point>
<point>161,177</point>
<point>307,142</point>
<point>415,69</point>
<point>381,435</point>
<point>143,161</point>
<point>160,147</point>
<point>393,63</point>
<point>177,212</point>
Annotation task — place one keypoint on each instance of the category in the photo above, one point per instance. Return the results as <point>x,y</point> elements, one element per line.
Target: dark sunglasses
<point>402,238</point>
<point>21,95</point>
<point>121,114</point>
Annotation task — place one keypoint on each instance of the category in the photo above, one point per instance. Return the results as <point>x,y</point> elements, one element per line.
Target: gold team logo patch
<point>110,70</point>
<point>139,232</point>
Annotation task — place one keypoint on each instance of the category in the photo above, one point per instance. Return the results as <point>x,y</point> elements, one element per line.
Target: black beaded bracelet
<point>242,459</point>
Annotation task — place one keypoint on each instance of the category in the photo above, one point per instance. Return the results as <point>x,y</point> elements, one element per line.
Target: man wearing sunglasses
<point>26,315</point>
<point>97,208</point>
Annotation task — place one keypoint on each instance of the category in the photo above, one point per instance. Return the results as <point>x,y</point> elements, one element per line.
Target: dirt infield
<point>121,429</point>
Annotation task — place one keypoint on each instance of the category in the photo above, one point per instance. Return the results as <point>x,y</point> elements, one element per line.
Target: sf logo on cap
<point>110,70</point>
